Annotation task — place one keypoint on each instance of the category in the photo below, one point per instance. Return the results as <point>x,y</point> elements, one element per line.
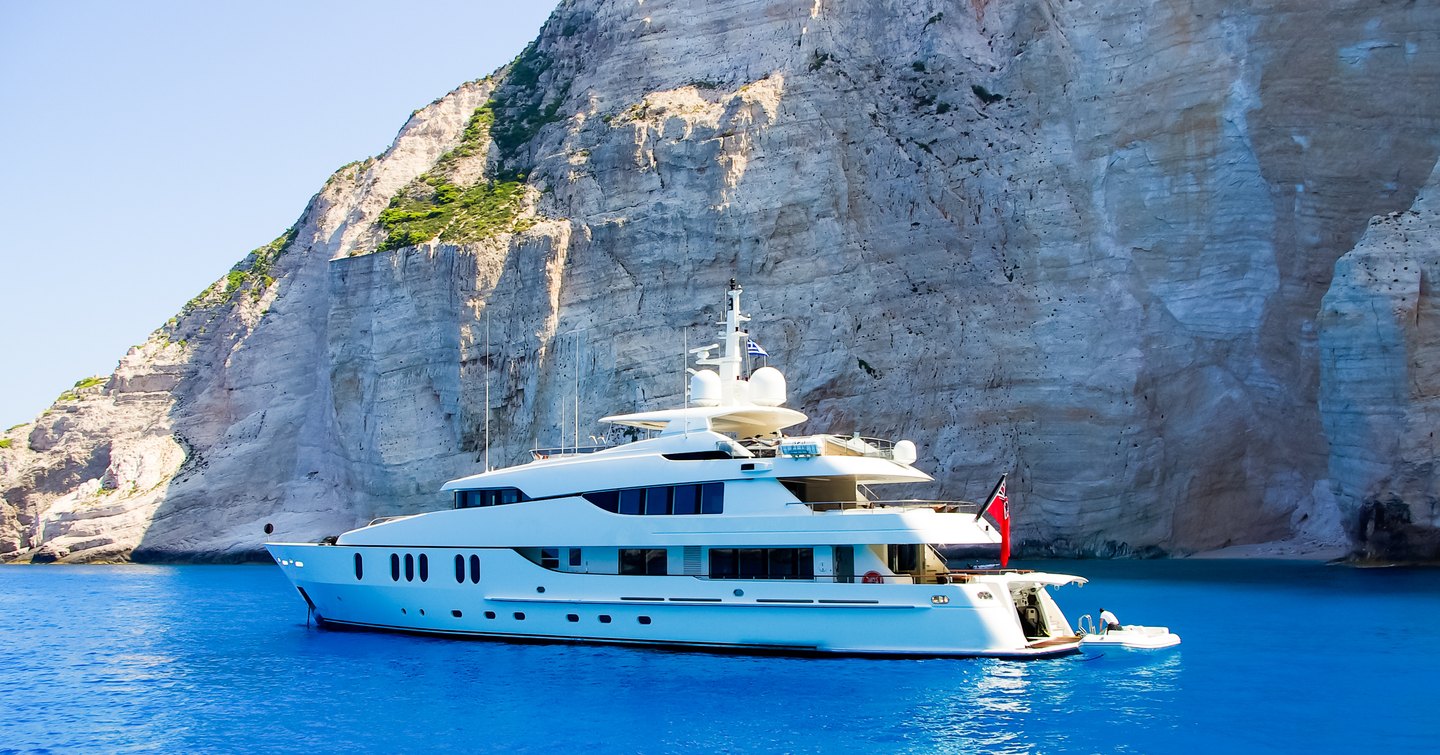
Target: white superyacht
<point>718,532</point>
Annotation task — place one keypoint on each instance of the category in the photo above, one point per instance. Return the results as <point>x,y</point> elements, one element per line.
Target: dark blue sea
<point>1277,657</point>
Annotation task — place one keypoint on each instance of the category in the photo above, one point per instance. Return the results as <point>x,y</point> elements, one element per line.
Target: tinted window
<point>489,614</point>
<point>359,567</point>
<point>607,499</point>
<point>632,561</point>
<point>574,556</point>
<point>723,564</point>
<point>549,558</point>
<point>519,616</point>
<point>782,562</point>
<point>475,569</point>
<point>424,567</point>
<point>571,617</point>
<point>459,568</point>
<point>805,562</point>
<point>394,567</point>
<point>687,499</point>
<point>753,563</point>
<point>644,619</point>
<point>631,501</point>
<point>409,568</point>
<point>904,558</point>
<point>657,500</point>
<point>604,619</point>
<point>712,498</point>
<point>656,562</point>
<point>509,495</point>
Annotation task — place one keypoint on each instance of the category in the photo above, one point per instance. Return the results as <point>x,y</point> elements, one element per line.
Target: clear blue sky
<point>148,145</point>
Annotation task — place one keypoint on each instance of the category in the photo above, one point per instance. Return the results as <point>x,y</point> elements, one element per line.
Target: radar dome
<point>767,387</point>
<point>904,452</point>
<point>705,388</point>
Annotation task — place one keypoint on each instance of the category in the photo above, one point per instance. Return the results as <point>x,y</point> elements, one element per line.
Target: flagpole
<point>990,499</point>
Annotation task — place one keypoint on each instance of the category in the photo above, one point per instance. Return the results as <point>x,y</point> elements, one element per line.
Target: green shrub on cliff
<point>6,442</point>
<point>460,215</point>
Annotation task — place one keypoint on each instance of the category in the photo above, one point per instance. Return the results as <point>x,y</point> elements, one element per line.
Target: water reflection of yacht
<point>720,531</point>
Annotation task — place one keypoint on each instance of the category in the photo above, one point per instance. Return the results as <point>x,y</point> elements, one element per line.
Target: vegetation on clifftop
<point>435,206</point>
<point>252,273</point>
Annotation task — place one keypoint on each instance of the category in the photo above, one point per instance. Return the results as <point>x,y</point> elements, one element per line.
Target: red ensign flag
<point>1003,519</point>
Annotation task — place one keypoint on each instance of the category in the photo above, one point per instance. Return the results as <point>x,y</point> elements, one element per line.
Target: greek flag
<point>753,349</point>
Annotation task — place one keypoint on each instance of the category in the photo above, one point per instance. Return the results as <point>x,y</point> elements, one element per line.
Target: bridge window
<point>632,501</point>
<point>470,499</point>
<point>549,558</point>
<point>659,500</point>
<point>686,500</point>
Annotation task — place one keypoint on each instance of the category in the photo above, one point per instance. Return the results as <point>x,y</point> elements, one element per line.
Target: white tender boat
<point>720,531</point>
<point>1132,636</point>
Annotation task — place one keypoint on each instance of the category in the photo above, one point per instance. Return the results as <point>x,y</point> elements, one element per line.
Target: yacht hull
<point>515,599</point>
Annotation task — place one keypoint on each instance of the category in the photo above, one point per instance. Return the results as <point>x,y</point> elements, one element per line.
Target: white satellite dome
<point>904,452</point>
<point>767,387</point>
<point>705,388</point>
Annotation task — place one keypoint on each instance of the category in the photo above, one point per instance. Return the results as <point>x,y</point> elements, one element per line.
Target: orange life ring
<point>872,578</point>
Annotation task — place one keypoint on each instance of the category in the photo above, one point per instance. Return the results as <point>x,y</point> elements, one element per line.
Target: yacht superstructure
<point>720,531</point>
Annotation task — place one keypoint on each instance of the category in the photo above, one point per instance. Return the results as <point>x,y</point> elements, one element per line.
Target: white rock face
<point>1380,386</point>
<point>1084,243</point>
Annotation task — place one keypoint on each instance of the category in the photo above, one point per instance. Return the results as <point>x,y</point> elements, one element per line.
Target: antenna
<point>487,385</point>
<point>685,372</point>
<point>577,390</point>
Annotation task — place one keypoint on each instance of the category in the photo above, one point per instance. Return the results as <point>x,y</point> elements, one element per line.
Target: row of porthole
<point>409,567</point>
<point>410,563</point>
<point>474,569</point>
<point>571,617</point>
<point>424,567</point>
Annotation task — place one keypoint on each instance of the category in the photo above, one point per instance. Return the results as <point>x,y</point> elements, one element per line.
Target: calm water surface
<point>1277,657</point>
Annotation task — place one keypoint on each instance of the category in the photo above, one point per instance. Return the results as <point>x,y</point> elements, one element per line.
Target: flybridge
<point>724,401</point>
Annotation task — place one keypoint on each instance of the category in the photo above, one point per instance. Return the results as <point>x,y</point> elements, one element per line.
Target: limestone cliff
<point>1082,242</point>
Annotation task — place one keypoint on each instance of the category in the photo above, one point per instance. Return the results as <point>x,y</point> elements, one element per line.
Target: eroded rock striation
<point>1082,242</point>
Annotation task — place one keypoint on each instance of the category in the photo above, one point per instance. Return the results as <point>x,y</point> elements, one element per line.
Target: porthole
<point>456,614</point>
<point>394,567</point>
<point>359,566</point>
<point>409,568</point>
<point>519,615</point>
<point>604,619</point>
<point>644,619</point>
<point>422,612</point>
<point>424,567</point>
<point>540,589</point>
<point>489,614</point>
<point>459,568</point>
<point>572,617</point>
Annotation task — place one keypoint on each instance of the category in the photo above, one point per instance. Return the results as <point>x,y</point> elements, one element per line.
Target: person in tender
<point>1108,620</point>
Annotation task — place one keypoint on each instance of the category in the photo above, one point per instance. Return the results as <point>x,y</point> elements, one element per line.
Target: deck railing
<point>939,507</point>
<point>550,453</point>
